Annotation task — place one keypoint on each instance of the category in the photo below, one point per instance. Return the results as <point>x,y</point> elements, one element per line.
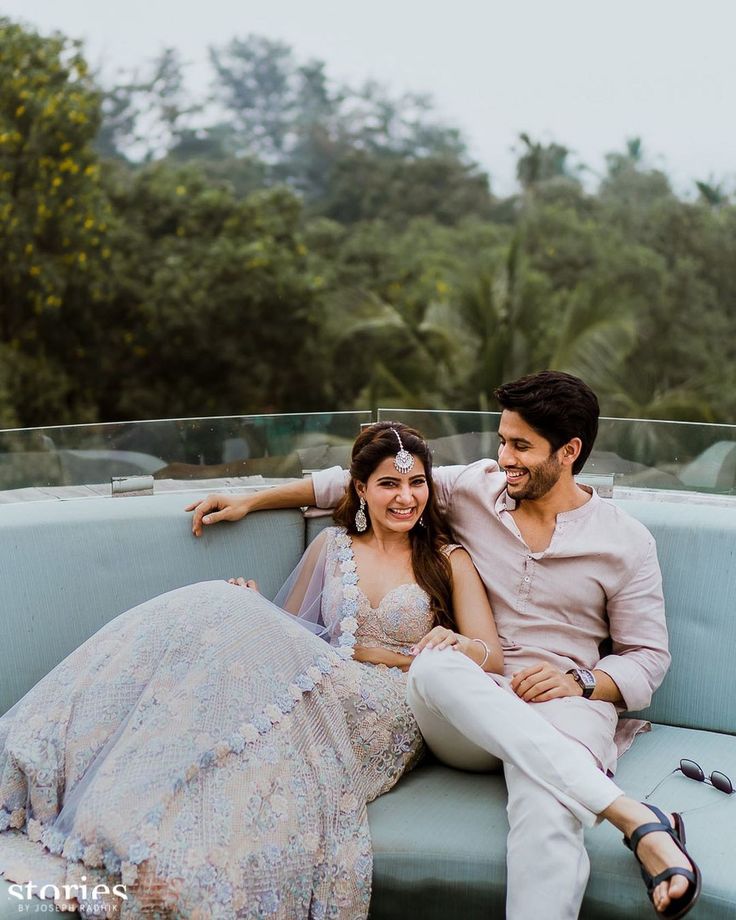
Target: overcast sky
<point>581,72</point>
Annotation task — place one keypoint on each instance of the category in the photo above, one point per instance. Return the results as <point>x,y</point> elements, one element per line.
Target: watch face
<point>587,679</point>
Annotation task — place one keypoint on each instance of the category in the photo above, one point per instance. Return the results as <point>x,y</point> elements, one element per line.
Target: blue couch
<point>67,567</point>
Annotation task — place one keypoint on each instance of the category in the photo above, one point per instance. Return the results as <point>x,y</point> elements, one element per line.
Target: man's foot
<point>660,853</point>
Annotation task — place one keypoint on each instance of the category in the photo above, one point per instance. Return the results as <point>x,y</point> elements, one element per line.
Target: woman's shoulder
<point>458,557</point>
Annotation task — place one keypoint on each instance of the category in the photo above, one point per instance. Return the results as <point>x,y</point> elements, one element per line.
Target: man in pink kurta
<point>576,591</point>
<point>598,583</point>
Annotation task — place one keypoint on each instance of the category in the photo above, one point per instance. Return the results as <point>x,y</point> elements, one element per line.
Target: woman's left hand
<point>372,655</point>
<point>244,583</point>
<point>440,637</point>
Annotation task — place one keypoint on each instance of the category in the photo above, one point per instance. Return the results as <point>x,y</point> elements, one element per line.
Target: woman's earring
<point>421,521</point>
<point>361,521</point>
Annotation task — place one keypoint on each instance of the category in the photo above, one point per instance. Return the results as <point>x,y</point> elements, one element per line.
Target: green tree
<point>393,188</point>
<point>217,307</point>
<point>540,163</point>
<point>56,220</point>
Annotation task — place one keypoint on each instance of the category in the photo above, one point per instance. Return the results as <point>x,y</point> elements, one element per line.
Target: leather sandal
<point>678,907</point>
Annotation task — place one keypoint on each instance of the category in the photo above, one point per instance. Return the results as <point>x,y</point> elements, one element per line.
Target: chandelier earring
<point>361,521</point>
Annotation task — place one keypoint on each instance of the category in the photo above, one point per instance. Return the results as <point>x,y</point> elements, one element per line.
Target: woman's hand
<point>216,508</point>
<point>381,656</point>
<point>244,583</point>
<point>440,637</point>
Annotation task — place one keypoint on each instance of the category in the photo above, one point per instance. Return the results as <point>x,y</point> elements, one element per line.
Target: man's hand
<point>216,508</point>
<point>542,682</point>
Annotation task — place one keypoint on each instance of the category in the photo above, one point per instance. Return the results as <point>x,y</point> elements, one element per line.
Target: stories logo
<point>90,895</point>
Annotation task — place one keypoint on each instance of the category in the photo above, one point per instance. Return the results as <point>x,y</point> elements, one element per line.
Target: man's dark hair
<point>558,406</point>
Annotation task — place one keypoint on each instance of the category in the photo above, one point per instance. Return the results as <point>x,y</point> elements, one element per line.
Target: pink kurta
<point>598,583</point>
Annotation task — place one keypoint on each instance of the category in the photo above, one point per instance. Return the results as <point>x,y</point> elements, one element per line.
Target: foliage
<point>56,220</point>
<point>215,302</point>
<point>292,243</point>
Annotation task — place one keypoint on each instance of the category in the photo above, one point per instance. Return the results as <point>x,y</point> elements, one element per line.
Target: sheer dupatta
<point>302,593</point>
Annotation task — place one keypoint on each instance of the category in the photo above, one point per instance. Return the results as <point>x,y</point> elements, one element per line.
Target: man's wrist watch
<point>584,679</point>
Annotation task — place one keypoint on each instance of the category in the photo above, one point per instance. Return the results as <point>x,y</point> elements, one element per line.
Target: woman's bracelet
<point>487,650</point>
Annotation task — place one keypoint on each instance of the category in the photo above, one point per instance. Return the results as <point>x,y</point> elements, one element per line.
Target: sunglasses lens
<point>722,782</point>
<point>692,770</point>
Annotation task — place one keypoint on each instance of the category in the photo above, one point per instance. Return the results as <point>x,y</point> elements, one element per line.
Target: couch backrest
<point>68,567</point>
<point>696,545</point>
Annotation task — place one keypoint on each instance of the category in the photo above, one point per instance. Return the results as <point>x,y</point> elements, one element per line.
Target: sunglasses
<point>694,771</point>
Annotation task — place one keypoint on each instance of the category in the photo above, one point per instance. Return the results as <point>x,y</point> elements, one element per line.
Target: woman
<point>213,755</point>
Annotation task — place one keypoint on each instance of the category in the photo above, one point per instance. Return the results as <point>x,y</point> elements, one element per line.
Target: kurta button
<point>526,578</point>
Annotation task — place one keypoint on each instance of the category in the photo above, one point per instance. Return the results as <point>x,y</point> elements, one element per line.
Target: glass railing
<point>273,446</point>
<point>635,453</point>
<point>681,456</point>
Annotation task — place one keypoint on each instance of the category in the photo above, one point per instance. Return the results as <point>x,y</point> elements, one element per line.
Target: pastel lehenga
<point>213,754</point>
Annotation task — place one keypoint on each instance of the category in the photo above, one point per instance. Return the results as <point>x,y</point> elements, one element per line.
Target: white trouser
<point>554,785</point>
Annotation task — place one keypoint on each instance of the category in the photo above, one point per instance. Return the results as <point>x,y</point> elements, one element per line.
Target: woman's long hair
<point>430,565</point>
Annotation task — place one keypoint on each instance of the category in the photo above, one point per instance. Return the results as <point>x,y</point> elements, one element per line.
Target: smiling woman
<point>402,519</point>
<point>211,694</point>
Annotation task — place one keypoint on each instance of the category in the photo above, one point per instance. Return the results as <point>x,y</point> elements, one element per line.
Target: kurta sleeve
<point>639,656</point>
<point>329,486</point>
<point>444,479</point>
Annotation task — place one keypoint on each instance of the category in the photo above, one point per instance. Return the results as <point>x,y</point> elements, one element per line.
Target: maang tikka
<point>403,461</point>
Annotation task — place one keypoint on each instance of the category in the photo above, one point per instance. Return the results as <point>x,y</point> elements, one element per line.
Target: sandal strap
<point>661,816</point>
<point>644,829</point>
<point>669,873</point>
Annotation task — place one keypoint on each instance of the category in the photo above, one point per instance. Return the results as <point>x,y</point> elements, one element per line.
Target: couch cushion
<point>67,568</point>
<point>440,849</point>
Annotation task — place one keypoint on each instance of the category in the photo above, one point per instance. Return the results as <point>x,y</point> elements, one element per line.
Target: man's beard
<point>541,479</point>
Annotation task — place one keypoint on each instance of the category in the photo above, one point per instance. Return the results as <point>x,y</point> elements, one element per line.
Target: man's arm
<point>324,489</point>
<point>639,656</point>
<point>216,507</point>
<point>325,486</point>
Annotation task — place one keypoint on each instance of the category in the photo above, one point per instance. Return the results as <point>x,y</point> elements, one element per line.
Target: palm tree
<point>504,333</point>
<point>383,355</point>
<point>541,162</point>
<point>712,193</point>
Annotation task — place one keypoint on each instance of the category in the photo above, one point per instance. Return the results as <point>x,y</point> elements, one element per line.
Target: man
<point>567,574</point>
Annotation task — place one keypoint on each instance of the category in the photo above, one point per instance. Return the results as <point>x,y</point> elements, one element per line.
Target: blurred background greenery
<point>290,243</point>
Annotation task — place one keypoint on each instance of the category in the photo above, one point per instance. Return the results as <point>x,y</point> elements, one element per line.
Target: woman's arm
<point>369,655</point>
<point>473,616</point>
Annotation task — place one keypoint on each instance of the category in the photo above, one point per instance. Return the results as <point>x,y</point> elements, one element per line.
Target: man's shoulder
<point>485,470</point>
<point>481,480</point>
<point>620,524</point>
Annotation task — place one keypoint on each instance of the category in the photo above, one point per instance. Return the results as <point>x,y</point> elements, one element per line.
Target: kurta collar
<point>504,502</point>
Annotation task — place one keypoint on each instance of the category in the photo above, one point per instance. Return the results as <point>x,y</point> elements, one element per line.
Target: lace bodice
<point>401,618</point>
